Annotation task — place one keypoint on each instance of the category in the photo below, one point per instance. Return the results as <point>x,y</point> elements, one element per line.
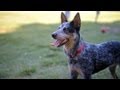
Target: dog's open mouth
<point>58,43</point>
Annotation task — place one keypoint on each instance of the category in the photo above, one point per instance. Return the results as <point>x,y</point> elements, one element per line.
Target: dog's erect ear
<point>77,20</point>
<point>63,18</point>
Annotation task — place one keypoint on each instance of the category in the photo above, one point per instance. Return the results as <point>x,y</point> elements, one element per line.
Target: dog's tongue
<point>56,43</point>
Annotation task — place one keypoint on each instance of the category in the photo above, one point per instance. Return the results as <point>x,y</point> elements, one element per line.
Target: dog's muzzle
<point>54,35</point>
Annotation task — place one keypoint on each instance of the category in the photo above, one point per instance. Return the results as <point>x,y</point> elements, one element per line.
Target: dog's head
<point>67,31</point>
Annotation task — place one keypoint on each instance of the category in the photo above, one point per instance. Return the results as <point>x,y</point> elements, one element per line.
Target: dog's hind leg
<point>87,76</point>
<point>112,69</point>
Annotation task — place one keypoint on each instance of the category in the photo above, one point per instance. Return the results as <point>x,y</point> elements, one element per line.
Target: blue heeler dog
<point>85,58</point>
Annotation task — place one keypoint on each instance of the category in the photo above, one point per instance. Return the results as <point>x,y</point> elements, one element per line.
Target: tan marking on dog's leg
<point>76,69</point>
<point>73,72</point>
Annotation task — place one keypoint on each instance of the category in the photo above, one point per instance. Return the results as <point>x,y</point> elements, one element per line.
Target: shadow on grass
<point>34,39</point>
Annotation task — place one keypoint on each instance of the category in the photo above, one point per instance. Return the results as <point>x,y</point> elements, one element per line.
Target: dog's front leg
<point>73,74</point>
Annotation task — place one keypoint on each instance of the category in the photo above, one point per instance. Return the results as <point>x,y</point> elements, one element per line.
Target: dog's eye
<point>64,29</point>
<point>68,30</point>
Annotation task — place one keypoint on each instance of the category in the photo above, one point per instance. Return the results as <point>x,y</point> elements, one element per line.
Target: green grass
<point>25,53</point>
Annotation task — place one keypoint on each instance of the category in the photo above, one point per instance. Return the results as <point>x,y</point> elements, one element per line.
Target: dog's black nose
<point>54,35</point>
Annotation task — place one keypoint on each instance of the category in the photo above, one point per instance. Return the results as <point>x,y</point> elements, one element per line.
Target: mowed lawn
<point>25,50</point>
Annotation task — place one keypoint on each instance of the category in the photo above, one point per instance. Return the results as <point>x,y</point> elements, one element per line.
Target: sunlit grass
<point>12,19</point>
<point>50,17</point>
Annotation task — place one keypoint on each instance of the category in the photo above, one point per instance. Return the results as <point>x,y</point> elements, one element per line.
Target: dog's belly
<point>99,67</point>
<point>102,62</point>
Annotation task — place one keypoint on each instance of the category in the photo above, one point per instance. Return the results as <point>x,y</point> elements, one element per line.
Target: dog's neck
<point>72,46</point>
<point>69,45</point>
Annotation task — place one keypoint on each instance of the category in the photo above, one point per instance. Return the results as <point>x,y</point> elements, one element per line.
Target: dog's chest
<point>75,66</point>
